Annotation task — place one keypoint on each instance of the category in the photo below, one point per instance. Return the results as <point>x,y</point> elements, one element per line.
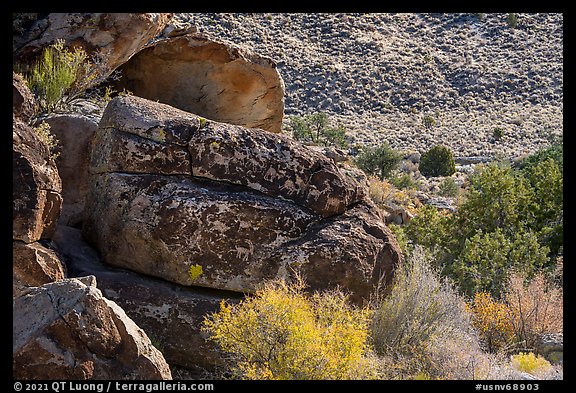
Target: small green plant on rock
<point>62,74</point>
<point>194,272</point>
<point>43,132</point>
<point>438,161</point>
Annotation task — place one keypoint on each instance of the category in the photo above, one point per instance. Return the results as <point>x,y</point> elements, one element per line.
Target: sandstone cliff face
<point>68,330</point>
<point>202,203</point>
<point>207,77</point>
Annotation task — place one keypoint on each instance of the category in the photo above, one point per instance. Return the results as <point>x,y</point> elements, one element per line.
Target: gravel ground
<point>380,75</point>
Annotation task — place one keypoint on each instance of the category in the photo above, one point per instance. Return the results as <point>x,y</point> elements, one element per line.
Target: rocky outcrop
<point>68,330</point>
<point>36,191</point>
<point>74,132</point>
<point>23,104</point>
<point>33,265</point>
<point>114,37</point>
<point>170,314</point>
<point>209,78</point>
<point>202,203</point>
<point>36,198</point>
<point>551,346</point>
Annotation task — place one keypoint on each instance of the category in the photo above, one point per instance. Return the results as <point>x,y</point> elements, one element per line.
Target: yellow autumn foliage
<point>281,333</point>
<point>492,319</point>
<point>530,363</point>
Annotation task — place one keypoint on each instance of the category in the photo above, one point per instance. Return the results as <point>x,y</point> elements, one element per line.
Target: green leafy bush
<point>555,151</point>
<point>429,228</point>
<point>281,333</point>
<point>498,197</point>
<point>379,161</point>
<point>438,161</point>
<point>509,219</point>
<point>314,128</point>
<point>486,258</point>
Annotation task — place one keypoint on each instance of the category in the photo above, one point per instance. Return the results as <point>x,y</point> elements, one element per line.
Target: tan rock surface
<point>209,78</point>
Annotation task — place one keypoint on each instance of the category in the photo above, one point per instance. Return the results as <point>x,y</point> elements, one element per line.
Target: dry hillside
<point>381,74</point>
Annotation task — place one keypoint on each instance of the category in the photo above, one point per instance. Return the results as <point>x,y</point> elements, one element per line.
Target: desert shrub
<point>389,198</point>
<point>419,307</point>
<point>512,20</point>
<point>536,307</point>
<point>379,161</point>
<point>508,219</point>
<point>492,320</point>
<point>61,75</point>
<point>42,130</point>
<point>401,238</point>
<point>438,161</point>
<point>429,228</point>
<point>530,363</point>
<point>461,357</point>
<point>498,197</point>
<point>497,133</point>
<point>314,128</point>
<point>485,259</point>
<point>448,187</point>
<point>422,330</point>
<point>547,209</point>
<point>555,151</point>
<point>404,181</point>
<point>428,122</point>
<point>281,333</point>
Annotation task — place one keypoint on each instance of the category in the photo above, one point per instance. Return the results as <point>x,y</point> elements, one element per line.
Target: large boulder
<point>33,265</point>
<point>74,132</point>
<point>203,203</point>
<point>208,77</point>
<point>141,136</point>
<point>170,314</point>
<point>68,330</point>
<point>113,37</point>
<point>36,186</point>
